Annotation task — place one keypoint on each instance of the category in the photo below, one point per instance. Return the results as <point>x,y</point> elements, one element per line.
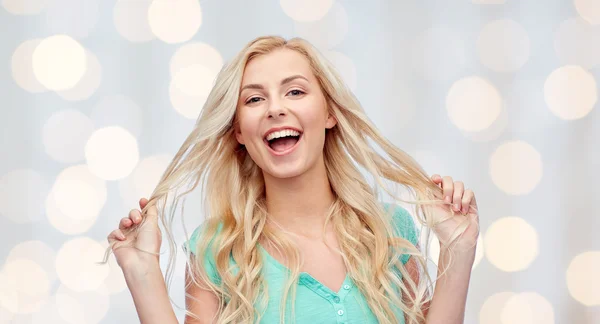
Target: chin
<point>285,172</point>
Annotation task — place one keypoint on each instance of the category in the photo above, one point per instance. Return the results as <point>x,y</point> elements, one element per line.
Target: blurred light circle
<point>175,21</point>
<point>59,62</point>
<point>491,310</point>
<point>582,278</point>
<point>515,254</point>
<point>24,7</point>
<point>63,223</point>
<point>473,104</point>
<point>76,264</point>
<point>68,213</point>
<point>9,295</point>
<point>22,67</point>
<point>112,153</point>
<point>88,84</point>
<point>588,10</point>
<point>77,199</point>
<point>527,308</point>
<point>189,89</point>
<point>38,252</point>
<point>196,53</point>
<point>434,251</point>
<point>516,167</point>
<point>78,194</point>
<point>571,92</point>
<point>31,285</point>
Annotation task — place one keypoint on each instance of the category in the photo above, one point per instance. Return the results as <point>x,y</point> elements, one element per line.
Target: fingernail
<point>456,207</point>
<point>448,199</point>
<point>121,236</point>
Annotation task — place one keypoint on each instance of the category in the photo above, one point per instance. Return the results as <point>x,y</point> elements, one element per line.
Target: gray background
<point>502,96</point>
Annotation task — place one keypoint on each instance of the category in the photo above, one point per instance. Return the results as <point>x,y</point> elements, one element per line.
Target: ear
<point>238,134</point>
<point>331,121</point>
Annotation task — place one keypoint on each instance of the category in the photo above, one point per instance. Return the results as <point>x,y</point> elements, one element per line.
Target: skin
<point>297,194</point>
<point>297,189</point>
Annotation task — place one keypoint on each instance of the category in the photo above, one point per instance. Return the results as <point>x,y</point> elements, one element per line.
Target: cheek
<point>249,134</point>
<point>315,119</point>
<point>247,124</point>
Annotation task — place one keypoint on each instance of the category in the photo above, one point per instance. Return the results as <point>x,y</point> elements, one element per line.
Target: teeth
<point>283,133</point>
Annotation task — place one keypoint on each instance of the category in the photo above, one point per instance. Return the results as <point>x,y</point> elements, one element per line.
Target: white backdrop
<point>97,96</point>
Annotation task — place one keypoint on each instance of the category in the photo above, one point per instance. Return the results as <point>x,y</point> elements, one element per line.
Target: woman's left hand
<point>464,205</point>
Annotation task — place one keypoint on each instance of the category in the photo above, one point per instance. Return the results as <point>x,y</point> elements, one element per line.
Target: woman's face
<point>282,114</point>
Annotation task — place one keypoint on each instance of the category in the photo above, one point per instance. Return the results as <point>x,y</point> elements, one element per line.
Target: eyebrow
<point>284,81</point>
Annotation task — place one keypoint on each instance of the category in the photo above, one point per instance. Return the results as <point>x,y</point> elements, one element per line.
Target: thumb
<point>151,214</point>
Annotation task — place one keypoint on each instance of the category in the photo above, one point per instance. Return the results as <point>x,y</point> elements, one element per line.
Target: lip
<point>288,151</point>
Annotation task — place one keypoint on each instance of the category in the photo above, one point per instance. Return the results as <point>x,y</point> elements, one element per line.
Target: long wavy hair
<point>233,193</point>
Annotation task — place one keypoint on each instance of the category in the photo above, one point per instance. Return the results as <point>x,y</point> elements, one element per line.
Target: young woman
<point>296,230</point>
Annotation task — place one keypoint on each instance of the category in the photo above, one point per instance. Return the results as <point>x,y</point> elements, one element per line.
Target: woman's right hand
<point>127,248</point>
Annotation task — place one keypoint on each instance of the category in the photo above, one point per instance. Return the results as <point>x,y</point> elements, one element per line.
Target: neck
<point>300,204</point>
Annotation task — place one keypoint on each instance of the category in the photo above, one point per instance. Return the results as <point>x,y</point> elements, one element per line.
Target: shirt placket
<point>335,299</point>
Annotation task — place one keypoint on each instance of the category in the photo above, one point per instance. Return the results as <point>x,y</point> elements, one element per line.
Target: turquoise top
<point>316,303</point>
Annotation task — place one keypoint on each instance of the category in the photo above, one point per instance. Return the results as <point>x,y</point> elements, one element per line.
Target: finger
<point>125,223</point>
<point>466,201</point>
<point>143,202</point>
<point>436,178</point>
<point>135,216</point>
<point>115,235</point>
<point>459,188</point>
<point>448,188</point>
<point>152,214</point>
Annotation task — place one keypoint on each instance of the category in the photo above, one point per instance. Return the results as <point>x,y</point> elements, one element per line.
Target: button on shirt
<point>315,302</point>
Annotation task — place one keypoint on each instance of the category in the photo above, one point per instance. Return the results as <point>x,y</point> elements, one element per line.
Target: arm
<point>152,302</point>
<point>448,303</point>
<point>149,292</point>
<point>450,295</point>
<point>204,304</point>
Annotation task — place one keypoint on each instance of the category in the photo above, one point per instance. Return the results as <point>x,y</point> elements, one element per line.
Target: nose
<point>276,109</point>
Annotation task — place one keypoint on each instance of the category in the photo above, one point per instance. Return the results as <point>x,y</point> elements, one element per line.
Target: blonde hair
<point>233,191</point>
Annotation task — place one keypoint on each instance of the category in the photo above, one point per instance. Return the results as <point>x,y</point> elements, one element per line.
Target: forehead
<point>274,66</point>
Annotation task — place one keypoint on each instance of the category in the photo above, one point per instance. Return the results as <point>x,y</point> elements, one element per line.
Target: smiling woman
<point>280,92</point>
<point>296,230</point>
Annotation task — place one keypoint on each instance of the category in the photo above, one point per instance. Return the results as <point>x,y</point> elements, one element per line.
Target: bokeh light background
<point>97,96</point>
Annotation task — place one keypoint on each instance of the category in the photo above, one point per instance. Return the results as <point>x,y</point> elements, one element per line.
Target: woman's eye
<point>252,100</point>
<point>296,92</point>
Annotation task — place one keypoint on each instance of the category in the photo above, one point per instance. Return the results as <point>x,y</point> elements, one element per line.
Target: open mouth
<point>283,141</point>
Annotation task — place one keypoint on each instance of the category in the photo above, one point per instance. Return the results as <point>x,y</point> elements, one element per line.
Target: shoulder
<point>404,225</point>
<point>200,232</point>
<point>208,258</point>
